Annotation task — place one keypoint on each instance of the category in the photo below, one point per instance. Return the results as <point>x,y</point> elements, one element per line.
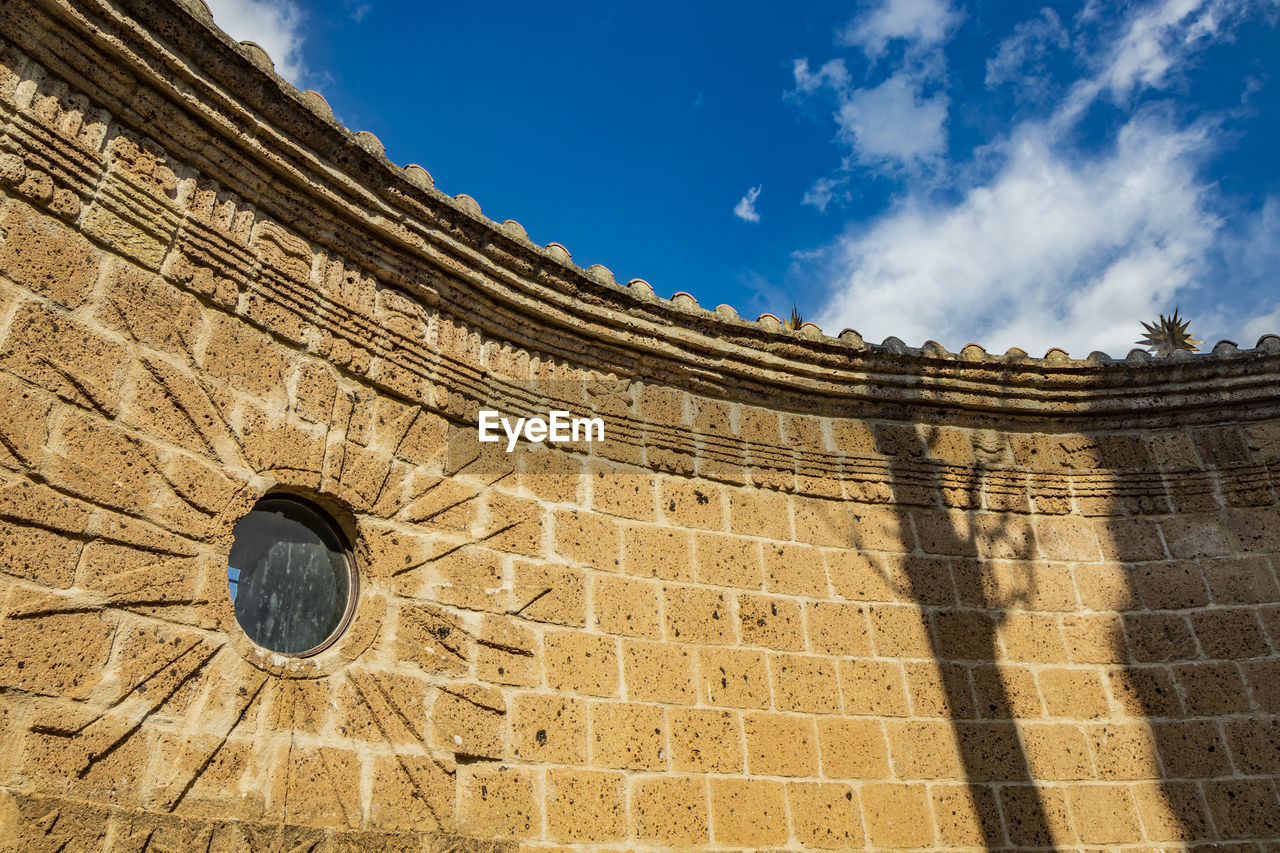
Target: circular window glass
<point>291,576</point>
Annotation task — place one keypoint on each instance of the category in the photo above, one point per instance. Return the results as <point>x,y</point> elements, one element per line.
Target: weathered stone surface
<point>809,593</point>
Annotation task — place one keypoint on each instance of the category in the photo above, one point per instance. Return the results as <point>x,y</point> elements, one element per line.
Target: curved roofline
<point>492,276</point>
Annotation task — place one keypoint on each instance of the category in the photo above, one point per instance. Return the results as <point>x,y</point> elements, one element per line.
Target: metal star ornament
<point>1168,334</point>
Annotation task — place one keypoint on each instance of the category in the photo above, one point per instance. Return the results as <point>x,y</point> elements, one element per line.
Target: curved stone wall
<point>809,592</point>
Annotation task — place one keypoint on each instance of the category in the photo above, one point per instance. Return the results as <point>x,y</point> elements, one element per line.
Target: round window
<point>291,576</point>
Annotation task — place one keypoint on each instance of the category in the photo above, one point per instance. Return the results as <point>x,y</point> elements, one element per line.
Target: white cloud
<point>1253,262</point>
<point>1037,244</point>
<point>1020,57</point>
<point>745,209</point>
<point>832,75</point>
<point>1152,45</point>
<point>894,124</point>
<point>923,24</point>
<point>1051,252</point>
<point>823,191</point>
<point>897,124</point>
<point>276,25</point>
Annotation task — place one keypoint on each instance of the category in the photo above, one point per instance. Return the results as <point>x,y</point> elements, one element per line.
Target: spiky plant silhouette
<point>796,320</point>
<point>1168,334</point>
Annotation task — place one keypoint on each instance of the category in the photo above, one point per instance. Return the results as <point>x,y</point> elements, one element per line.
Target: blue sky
<point>1013,174</point>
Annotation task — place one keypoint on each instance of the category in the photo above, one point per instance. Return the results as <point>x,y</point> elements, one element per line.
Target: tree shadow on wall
<point>1194,527</point>
<point>1176,637</point>
<point>963,632</point>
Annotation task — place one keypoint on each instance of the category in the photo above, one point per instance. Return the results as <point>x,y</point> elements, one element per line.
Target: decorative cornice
<point>219,107</point>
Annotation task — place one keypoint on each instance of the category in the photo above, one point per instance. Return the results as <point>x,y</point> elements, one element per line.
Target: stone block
<point>771,621</point>
<point>628,736</point>
<point>946,533</point>
<point>804,683</point>
<point>1006,692</point>
<point>66,357</point>
<point>1157,637</point>
<point>756,512</point>
<point>626,606</point>
<point>853,748</point>
<point>834,628</point>
<point>1198,535</point>
<point>1130,540</point>
<point>1171,811</point>
<point>825,816</point>
<point>621,492</point>
<point>1123,751</point>
<point>693,504</point>
<point>44,556</point>
<point>1170,585</point>
<point>46,257</point>
<point>587,538</point>
<point>1036,816</point>
<point>580,663</point>
<point>1068,538</point>
<point>1212,689</point>
<point>515,525</point>
<point>1075,694</point>
<point>733,678</point>
<point>506,653</point>
<point>780,745</point>
<point>246,359</point>
<point>585,805</point>
<point>143,306</point>
<point>721,560</point>
<point>939,690</point>
<point>1229,633</point>
<point>750,812</point>
<point>873,687</point>
<point>659,672</point>
<point>1057,752</point>
<point>856,576</point>
<point>434,639</point>
<point>470,578</point>
<point>705,741</point>
<point>670,811</point>
<point>1145,691</point>
<point>657,552</point>
<point>550,729</point>
<point>966,815</point>
<point>697,615</point>
<point>1191,749</point>
<point>1104,814</point>
<point>923,749</point>
<point>899,631</point>
<point>823,522</point>
<point>1244,808</point>
<point>411,792</point>
<point>1094,638</point>
<point>1032,637</point>
<point>24,424</point>
<point>549,592</point>
<point>897,815</point>
<point>497,802</point>
<point>795,570</point>
<point>53,647</point>
<point>1240,580</point>
<point>992,749</point>
<point>322,787</point>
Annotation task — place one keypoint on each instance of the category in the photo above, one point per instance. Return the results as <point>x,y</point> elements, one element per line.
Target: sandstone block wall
<point>809,593</point>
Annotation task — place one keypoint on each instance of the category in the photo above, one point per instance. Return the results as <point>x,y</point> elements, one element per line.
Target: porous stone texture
<point>806,594</point>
